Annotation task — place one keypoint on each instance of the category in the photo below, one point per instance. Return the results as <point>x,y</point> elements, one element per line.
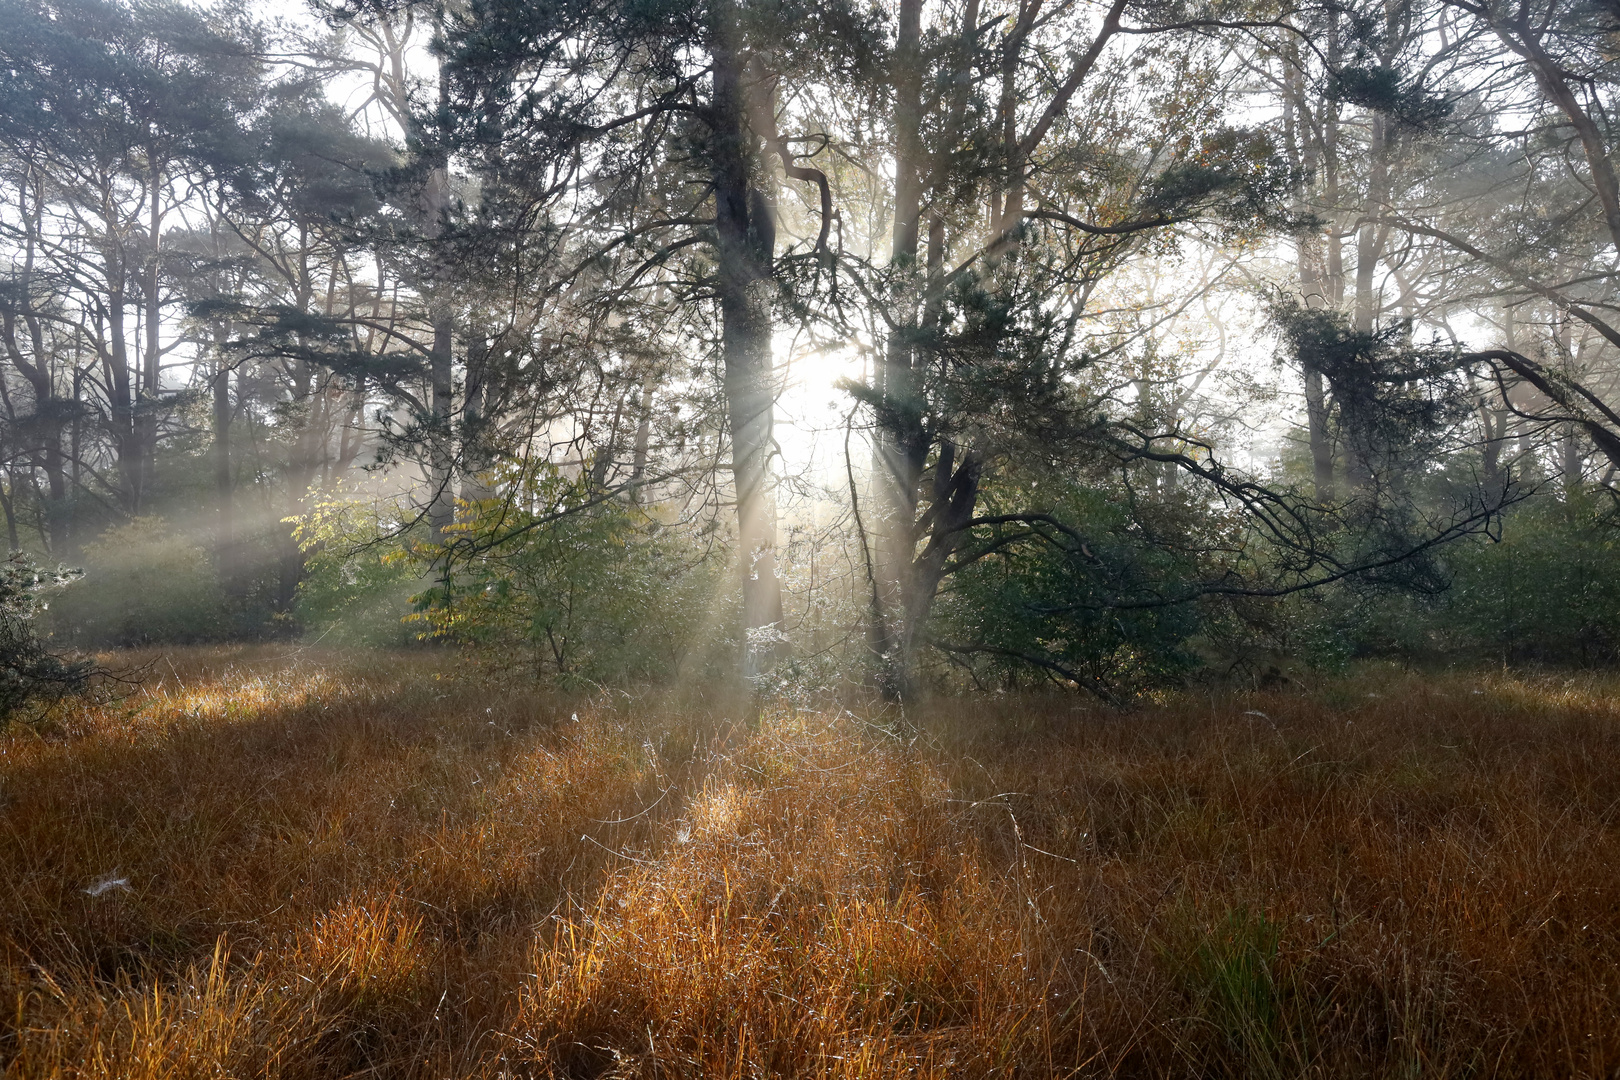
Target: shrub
<point>1548,591</point>
<point>1055,597</point>
<point>359,575</point>
<point>578,590</point>
<point>143,584</point>
<point>27,671</point>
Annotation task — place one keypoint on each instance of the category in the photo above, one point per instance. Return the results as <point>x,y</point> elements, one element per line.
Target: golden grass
<point>353,864</point>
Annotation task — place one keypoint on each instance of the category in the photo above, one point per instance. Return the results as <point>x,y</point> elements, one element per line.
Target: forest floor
<point>315,864</point>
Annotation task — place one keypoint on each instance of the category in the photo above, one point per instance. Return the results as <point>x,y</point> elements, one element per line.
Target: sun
<point>813,408</point>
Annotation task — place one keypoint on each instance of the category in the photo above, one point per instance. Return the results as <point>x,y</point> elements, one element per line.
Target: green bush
<point>576,590</point>
<point>360,575</point>
<point>542,578</point>
<point>1057,597</point>
<point>1548,591</point>
<point>28,672</point>
<point>143,584</point>
<point>1544,588</point>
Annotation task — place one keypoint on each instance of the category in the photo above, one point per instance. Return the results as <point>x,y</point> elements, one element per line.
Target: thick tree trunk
<point>954,496</point>
<point>46,419</point>
<point>476,435</point>
<point>643,444</point>
<point>41,373</point>
<point>441,496</point>
<point>1334,270</point>
<point>58,518</point>
<point>441,361</point>
<point>1572,445</point>
<point>1316,418</point>
<point>900,447</point>
<point>301,467</point>
<point>6,490</point>
<point>1370,238</point>
<point>1573,461</point>
<point>1495,423</point>
<point>1316,403</point>
<point>745,227</point>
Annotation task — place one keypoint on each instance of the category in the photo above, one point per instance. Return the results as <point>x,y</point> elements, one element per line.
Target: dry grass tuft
<point>338,865</point>
<point>811,915</point>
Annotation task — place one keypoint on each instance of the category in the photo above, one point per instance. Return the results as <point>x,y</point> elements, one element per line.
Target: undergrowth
<point>324,864</point>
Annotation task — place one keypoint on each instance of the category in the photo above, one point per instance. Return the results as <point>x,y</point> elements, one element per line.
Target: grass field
<point>322,865</point>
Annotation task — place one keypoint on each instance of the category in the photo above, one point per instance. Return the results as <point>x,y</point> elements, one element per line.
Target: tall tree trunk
<point>146,414</point>
<point>7,490</point>
<point>441,454</point>
<point>1572,455</point>
<point>745,227</point>
<point>1305,157</point>
<point>225,547</point>
<point>441,507</point>
<point>46,418</point>
<point>476,433</point>
<point>434,204</point>
<point>643,444</point>
<point>1334,272</point>
<point>1572,444</point>
<point>76,451</point>
<point>301,467</point>
<point>122,389</point>
<point>41,373</point>
<point>1370,237</point>
<point>1495,423</point>
<point>953,498</point>
<point>1360,438</point>
<point>57,516</point>
<point>900,447</point>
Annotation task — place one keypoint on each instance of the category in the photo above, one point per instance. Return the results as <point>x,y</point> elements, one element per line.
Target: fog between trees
<point>1161,338</point>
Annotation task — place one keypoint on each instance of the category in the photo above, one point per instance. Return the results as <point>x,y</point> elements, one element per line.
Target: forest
<point>635,538</point>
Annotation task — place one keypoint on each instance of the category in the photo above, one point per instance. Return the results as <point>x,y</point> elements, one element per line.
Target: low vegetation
<point>297,863</point>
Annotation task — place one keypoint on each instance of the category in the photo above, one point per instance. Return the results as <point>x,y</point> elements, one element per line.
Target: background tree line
<point>1175,336</point>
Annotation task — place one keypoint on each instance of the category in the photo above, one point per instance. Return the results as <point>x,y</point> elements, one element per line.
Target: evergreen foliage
<point>29,672</point>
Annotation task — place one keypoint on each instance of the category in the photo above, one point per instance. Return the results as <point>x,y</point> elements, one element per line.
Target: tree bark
<point>745,227</point>
<point>225,547</point>
<point>643,444</point>
<point>122,388</point>
<point>1360,439</point>
<point>1305,157</point>
<point>899,447</point>
<point>146,409</point>
<point>476,435</point>
<point>46,420</point>
<point>441,360</point>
